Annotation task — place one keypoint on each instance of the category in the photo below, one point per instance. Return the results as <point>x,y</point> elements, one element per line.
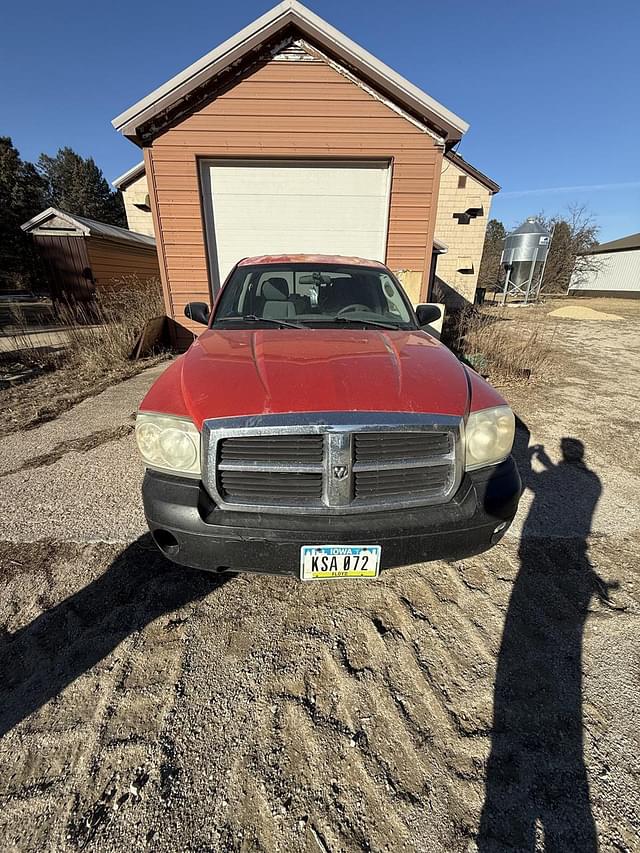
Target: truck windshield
<point>313,295</point>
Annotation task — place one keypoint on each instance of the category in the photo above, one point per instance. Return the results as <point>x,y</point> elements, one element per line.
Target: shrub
<point>500,345</point>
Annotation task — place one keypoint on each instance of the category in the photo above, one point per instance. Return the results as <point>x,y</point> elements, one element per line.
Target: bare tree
<point>573,234</point>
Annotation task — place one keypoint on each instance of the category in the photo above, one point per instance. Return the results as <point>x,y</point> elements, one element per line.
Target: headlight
<point>489,436</point>
<point>168,443</point>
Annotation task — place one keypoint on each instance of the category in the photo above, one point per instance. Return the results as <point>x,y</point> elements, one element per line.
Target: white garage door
<point>266,208</point>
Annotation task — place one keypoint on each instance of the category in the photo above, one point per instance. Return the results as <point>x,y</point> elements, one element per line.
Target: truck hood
<point>273,371</point>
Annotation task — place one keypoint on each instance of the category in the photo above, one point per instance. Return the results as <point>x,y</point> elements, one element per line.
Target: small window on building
<point>462,182</point>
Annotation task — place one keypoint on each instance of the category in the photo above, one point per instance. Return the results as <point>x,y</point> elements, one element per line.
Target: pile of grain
<point>578,312</point>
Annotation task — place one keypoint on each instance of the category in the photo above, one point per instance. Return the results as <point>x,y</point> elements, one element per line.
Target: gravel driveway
<point>491,704</point>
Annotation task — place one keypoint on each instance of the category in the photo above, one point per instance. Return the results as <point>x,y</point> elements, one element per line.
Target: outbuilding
<point>614,270</point>
<point>81,254</point>
<point>290,138</point>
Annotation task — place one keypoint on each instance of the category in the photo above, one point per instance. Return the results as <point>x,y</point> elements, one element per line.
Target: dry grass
<point>104,335</point>
<point>92,351</point>
<point>501,346</point>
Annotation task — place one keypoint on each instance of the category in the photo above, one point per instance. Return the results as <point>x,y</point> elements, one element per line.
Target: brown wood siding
<point>65,261</point>
<point>288,109</point>
<point>111,261</point>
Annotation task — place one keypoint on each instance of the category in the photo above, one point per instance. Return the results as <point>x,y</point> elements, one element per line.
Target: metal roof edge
<point>251,36</point>
<point>622,244</point>
<point>92,228</point>
<point>128,176</point>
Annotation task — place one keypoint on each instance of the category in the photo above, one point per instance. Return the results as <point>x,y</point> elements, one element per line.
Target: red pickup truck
<point>318,428</point>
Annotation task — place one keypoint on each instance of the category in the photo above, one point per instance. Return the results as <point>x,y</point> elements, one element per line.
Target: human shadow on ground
<point>38,661</point>
<point>536,784</point>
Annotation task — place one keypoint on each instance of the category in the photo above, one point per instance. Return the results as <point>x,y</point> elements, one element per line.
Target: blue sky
<point>550,89</point>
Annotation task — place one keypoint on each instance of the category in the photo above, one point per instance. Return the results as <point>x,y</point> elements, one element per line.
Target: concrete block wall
<point>463,241</point>
<point>134,194</point>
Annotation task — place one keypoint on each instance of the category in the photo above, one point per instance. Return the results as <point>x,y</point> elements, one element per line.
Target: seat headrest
<point>275,289</point>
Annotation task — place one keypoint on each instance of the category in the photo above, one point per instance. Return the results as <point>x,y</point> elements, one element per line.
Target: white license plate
<point>323,562</point>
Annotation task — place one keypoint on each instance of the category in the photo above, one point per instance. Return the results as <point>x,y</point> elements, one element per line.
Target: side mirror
<point>428,313</point>
<point>197,311</point>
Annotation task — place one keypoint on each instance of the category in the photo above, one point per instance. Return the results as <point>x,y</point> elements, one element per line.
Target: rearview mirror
<point>197,311</point>
<point>428,313</point>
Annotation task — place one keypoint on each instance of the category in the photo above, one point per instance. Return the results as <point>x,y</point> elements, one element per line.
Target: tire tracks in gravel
<point>78,763</point>
<point>75,445</point>
<point>263,714</point>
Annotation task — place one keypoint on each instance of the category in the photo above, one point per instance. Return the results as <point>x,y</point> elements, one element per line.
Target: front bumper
<point>191,530</point>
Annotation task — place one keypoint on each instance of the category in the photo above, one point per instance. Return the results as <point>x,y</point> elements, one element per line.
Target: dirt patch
<point>581,312</point>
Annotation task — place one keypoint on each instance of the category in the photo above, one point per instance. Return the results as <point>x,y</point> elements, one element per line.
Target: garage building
<point>288,138</point>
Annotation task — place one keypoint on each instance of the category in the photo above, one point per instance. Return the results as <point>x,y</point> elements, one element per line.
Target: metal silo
<point>523,257</point>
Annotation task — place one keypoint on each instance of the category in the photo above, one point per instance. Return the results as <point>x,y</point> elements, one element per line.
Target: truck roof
<point>309,259</point>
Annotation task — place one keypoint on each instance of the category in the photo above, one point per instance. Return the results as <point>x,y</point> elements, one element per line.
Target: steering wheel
<point>355,306</point>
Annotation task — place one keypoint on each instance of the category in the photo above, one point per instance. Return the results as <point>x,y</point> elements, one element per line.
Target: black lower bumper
<point>191,530</point>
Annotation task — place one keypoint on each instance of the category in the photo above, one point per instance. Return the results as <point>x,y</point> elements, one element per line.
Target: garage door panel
<point>316,214</point>
<point>316,208</point>
<point>293,182</point>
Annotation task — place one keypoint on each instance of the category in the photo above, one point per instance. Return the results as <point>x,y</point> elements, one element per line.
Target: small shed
<point>615,270</point>
<point>81,255</point>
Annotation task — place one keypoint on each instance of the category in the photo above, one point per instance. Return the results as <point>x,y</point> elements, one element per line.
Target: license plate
<point>323,562</point>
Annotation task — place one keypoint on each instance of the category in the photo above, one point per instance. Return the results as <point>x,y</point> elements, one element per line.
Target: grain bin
<point>523,257</point>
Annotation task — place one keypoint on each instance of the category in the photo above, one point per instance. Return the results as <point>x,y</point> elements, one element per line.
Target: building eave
<point>128,177</point>
<point>290,13</point>
<point>479,176</point>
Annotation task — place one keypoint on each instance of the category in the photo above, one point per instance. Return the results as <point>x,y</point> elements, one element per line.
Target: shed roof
<point>88,227</point>
<point>621,245</point>
<point>286,14</point>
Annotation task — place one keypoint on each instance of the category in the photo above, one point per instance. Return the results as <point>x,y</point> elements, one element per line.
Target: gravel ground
<point>488,705</point>
<point>77,478</point>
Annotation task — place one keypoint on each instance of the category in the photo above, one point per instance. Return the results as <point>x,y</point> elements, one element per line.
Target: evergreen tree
<point>22,196</point>
<point>490,271</point>
<point>76,185</point>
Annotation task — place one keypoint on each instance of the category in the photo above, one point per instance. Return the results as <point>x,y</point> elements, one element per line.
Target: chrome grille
<point>336,462</point>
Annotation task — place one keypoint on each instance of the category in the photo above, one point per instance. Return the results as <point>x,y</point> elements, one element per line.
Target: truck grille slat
<point>400,481</point>
<point>332,462</point>
<point>300,448</point>
<point>263,485</point>
<point>378,447</point>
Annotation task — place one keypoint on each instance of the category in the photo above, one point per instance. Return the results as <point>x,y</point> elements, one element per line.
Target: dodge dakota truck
<point>318,428</point>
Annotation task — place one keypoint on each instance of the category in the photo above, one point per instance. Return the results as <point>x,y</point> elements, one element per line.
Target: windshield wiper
<point>252,318</point>
<point>339,319</point>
